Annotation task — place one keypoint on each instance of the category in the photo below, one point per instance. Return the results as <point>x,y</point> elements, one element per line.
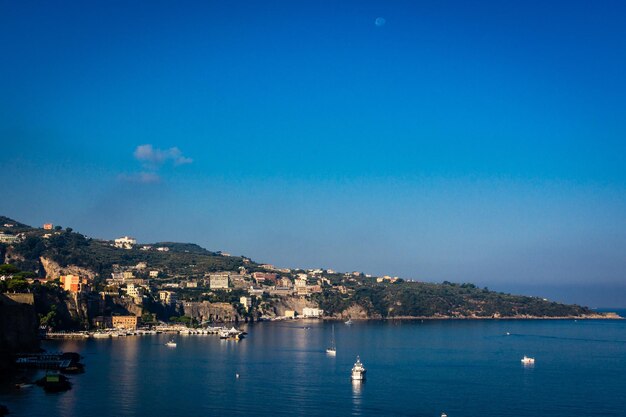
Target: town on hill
<point>81,283</point>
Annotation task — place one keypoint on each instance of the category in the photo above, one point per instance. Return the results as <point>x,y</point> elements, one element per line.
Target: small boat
<point>54,382</point>
<point>349,322</point>
<point>444,415</point>
<point>358,370</point>
<point>171,343</point>
<point>332,350</point>
<point>528,361</point>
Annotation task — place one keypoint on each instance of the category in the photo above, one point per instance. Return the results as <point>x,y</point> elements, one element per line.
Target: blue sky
<point>463,141</point>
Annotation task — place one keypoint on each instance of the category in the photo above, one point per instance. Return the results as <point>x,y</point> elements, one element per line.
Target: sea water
<point>414,368</point>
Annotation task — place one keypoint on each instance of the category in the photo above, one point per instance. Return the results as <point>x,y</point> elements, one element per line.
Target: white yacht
<point>231,333</point>
<point>332,350</point>
<point>358,370</point>
<point>528,361</point>
<point>171,343</point>
<point>349,322</point>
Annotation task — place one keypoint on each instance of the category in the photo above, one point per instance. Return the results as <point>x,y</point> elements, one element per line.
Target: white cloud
<point>157,157</point>
<point>152,160</point>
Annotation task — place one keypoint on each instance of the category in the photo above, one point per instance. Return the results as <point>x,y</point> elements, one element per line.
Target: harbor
<point>222,331</point>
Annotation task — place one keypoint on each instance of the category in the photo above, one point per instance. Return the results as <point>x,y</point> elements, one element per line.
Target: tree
<point>8,269</point>
<point>17,285</point>
<point>50,319</point>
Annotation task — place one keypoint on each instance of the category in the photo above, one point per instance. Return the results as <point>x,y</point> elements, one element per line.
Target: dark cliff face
<point>19,326</point>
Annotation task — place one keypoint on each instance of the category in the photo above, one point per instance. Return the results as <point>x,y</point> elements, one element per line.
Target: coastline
<point>606,316</point>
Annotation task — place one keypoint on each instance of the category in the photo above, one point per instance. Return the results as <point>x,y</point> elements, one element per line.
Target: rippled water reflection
<point>465,368</point>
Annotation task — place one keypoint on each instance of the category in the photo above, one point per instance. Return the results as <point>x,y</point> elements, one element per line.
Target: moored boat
<point>54,382</point>
<point>332,350</point>
<point>358,370</point>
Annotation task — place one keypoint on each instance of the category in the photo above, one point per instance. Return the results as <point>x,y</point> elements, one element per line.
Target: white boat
<point>528,361</point>
<point>332,350</point>
<point>358,370</point>
<point>231,333</point>
<point>349,322</point>
<point>171,343</point>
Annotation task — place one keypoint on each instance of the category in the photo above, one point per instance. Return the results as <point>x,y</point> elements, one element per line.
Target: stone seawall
<point>19,327</point>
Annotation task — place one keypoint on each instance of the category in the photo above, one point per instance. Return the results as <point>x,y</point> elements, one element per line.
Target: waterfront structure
<point>125,242</point>
<point>312,312</point>
<point>290,314</point>
<point>103,322</point>
<point>125,322</point>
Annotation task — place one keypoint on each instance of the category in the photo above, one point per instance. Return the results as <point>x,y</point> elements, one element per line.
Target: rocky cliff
<point>214,312</point>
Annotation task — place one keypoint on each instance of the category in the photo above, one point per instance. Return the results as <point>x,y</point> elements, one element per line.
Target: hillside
<point>66,247</point>
<point>45,253</point>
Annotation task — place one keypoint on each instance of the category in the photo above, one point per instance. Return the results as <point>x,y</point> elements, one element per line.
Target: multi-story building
<point>73,283</point>
<point>125,322</point>
<point>8,238</point>
<point>48,226</point>
<point>167,297</point>
<point>218,281</point>
<point>134,291</point>
<point>154,274</point>
<point>246,302</point>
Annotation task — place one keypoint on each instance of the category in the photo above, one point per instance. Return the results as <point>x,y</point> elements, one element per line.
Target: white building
<point>154,274</point>
<point>125,242</point>
<point>312,312</point>
<point>246,302</point>
<point>7,238</point>
<point>134,291</point>
<point>218,281</point>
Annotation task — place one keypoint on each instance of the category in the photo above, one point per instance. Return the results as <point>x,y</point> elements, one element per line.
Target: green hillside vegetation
<point>418,299</point>
<point>67,247</point>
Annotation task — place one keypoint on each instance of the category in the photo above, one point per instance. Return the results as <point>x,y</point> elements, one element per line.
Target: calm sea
<point>414,368</point>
